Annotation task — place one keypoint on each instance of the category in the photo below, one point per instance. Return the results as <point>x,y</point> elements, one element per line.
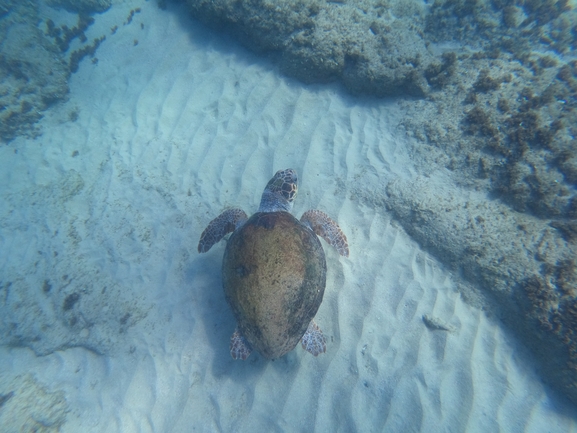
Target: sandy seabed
<point>174,125</point>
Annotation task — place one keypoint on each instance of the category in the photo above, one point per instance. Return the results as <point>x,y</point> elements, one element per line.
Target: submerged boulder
<point>359,44</point>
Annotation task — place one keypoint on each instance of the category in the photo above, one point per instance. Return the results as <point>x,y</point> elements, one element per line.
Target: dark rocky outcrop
<point>360,44</point>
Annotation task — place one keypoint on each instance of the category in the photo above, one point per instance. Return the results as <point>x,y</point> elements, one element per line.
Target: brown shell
<point>274,274</point>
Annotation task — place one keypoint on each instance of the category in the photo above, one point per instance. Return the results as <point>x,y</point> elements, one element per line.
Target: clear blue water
<point>126,130</point>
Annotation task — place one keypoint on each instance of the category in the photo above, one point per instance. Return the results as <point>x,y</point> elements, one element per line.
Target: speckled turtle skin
<point>274,274</point>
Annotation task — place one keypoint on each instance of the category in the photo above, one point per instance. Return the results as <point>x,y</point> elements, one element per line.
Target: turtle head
<point>280,192</point>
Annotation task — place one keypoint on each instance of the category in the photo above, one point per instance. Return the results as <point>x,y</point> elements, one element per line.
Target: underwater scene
<point>288,216</point>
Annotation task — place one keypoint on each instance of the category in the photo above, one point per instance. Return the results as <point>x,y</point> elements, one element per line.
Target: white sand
<point>170,132</point>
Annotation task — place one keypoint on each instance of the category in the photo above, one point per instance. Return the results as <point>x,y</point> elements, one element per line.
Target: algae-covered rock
<point>522,263</point>
<point>33,74</point>
<point>357,42</point>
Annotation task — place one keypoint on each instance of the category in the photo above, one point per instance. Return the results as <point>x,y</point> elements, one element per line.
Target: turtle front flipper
<point>326,228</point>
<point>239,347</point>
<point>314,341</point>
<point>226,222</point>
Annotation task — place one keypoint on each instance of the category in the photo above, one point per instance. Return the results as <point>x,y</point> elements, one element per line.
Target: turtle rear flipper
<point>314,341</point>
<point>226,222</point>
<point>326,228</point>
<point>239,347</point>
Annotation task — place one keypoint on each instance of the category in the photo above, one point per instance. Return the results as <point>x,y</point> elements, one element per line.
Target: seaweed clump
<point>64,35</point>
<point>548,301</point>
<point>528,132</point>
<point>88,50</point>
<point>544,11</point>
<point>485,83</point>
<point>439,74</point>
<point>70,301</point>
<point>568,229</point>
<point>478,121</point>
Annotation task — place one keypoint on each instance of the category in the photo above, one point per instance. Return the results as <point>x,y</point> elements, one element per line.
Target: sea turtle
<point>274,271</point>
